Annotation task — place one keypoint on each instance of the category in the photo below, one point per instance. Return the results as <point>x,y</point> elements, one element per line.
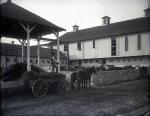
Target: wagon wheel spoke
<point>39,88</point>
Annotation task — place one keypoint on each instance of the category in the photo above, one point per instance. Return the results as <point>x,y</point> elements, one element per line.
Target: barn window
<point>65,47</point>
<point>139,42</point>
<point>113,46</point>
<point>79,45</point>
<point>93,43</point>
<point>126,43</point>
<point>43,61</point>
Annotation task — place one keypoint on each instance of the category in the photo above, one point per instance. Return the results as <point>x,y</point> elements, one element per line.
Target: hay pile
<point>15,71</point>
<point>114,76</point>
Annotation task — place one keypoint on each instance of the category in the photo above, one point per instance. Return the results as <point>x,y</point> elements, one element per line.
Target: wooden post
<point>16,56</point>
<point>58,53</point>
<point>68,58</point>
<point>38,51</point>
<point>28,49</point>
<point>22,43</point>
<point>22,53</point>
<point>6,59</point>
<point>51,50</point>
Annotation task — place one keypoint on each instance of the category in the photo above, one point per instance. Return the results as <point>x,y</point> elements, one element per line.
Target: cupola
<point>75,28</point>
<point>105,20</point>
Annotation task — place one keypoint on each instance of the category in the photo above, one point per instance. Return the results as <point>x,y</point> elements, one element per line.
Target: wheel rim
<point>39,88</point>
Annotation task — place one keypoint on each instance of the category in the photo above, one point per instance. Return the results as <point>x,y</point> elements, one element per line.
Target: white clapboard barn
<point>121,44</point>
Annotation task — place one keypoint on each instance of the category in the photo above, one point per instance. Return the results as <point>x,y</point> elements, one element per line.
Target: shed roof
<point>115,29</point>
<point>11,14</point>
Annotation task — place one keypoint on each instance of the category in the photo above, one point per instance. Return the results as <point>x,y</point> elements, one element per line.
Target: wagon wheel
<point>39,88</point>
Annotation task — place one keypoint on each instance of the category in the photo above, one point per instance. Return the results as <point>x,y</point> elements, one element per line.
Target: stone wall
<point>114,76</point>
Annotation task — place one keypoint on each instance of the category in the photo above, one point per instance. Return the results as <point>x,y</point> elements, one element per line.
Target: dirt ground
<point>98,101</point>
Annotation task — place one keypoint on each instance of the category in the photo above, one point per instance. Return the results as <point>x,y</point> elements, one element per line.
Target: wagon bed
<point>38,81</point>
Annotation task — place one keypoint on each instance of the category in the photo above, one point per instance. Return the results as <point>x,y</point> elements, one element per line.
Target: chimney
<point>105,20</point>
<point>147,11</point>
<point>75,28</point>
<point>12,42</point>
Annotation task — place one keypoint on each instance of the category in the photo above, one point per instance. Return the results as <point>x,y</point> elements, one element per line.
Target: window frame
<point>113,46</point>
<point>139,42</point>
<point>65,47</point>
<point>126,43</point>
<point>79,46</point>
<point>93,43</point>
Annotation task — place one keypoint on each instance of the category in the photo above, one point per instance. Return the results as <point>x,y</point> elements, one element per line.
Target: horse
<point>82,77</point>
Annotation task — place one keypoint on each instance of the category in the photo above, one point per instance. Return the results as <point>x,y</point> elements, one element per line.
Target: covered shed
<point>17,22</point>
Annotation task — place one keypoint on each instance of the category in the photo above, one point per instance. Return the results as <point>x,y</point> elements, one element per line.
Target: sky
<point>84,13</point>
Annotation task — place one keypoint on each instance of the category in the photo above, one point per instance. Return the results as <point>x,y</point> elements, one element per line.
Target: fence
<point>114,76</point>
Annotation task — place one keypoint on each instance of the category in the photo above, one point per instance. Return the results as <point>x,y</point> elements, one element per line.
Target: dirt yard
<point>97,101</point>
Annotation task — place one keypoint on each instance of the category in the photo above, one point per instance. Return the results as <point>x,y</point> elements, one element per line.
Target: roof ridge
<point>107,25</point>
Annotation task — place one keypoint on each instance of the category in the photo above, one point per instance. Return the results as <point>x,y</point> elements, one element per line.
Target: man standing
<point>54,63</point>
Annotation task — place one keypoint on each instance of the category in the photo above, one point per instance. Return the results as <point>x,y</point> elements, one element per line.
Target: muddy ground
<point>98,101</point>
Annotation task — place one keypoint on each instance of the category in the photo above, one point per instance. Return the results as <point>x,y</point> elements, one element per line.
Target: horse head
<point>91,70</point>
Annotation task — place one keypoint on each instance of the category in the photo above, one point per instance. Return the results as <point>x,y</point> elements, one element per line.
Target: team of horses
<point>82,77</point>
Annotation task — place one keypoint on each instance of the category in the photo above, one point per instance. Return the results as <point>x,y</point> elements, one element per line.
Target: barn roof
<point>14,49</point>
<point>12,14</point>
<point>114,29</point>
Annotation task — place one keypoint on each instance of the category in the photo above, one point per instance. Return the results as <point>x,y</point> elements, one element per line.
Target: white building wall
<point>103,50</point>
<point>74,52</point>
<point>132,45</point>
<point>89,51</point>
<point>104,47</point>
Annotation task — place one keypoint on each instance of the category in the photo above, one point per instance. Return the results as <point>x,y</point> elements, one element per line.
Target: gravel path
<point>97,101</point>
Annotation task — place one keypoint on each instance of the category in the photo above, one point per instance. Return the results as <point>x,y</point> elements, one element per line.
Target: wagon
<point>37,80</point>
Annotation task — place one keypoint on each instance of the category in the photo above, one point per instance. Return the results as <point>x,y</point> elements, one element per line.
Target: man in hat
<point>54,63</point>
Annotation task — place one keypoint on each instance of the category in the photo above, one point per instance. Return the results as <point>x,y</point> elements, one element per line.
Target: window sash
<point>65,47</point>
<point>93,43</point>
<point>126,43</point>
<point>139,42</point>
<point>113,46</point>
<point>79,46</point>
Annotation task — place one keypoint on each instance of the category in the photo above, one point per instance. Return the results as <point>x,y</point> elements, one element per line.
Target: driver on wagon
<point>54,63</point>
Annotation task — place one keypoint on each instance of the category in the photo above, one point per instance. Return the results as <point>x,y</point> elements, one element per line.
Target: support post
<point>38,51</point>
<point>28,49</point>
<point>16,56</point>
<point>22,53</point>
<point>6,59</point>
<point>51,49</point>
<point>68,58</point>
<point>22,43</point>
<point>58,53</point>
